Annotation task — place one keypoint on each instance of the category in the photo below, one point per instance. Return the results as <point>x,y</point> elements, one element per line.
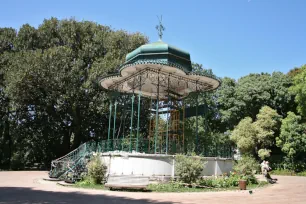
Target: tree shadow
<point>21,195</point>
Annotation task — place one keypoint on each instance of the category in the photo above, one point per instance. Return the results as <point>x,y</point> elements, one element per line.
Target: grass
<point>175,187</point>
<point>170,187</point>
<point>90,186</point>
<point>285,172</point>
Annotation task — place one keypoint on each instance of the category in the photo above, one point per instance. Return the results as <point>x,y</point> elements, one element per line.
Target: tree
<point>7,39</point>
<point>299,89</point>
<point>244,98</point>
<point>48,88</point>
<point>266,124</point>
<point>292,139</point>
<point>244,135</point>
<point>254,137</point>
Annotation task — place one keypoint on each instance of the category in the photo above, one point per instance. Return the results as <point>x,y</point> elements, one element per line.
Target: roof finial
<point>160,28</point>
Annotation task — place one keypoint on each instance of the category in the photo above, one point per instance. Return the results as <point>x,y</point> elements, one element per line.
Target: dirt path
<point>27,187</point>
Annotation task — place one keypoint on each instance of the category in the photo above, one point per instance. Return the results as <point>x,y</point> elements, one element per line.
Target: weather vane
<point>160,28</point>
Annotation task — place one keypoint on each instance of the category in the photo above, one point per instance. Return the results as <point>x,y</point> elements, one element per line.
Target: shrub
<point>246,166</point>
<point>303,173</point>
<point>17,162</point>
<point>250,179</point>
<point>96,170</point>
<point>167,187</point>
<point>220,182</point>
<point>188,168</point>
<point>206,182</point>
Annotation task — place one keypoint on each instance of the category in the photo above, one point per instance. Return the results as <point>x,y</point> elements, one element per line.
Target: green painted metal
<point>75,161</point>
<point>138,118</point>
<point>115,113</point>
<point>197,124</point>
<point>156,118</point>
<point>167,130</point>
<point>160,51</point>
<point>131,125</point>
<point>109,120</point>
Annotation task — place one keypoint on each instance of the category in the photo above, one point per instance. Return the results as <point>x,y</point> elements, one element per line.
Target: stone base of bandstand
<point>157,167</point>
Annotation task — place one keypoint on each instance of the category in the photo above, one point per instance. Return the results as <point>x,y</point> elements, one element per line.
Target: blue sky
<point>232,37</point>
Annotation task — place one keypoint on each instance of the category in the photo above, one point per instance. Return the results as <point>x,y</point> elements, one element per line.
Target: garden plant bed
<point>170,187</point>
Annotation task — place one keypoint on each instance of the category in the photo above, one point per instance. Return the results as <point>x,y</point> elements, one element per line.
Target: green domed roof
<point>160,52</point>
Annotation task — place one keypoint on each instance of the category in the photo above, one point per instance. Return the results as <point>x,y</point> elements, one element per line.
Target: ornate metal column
<point>114,129</point>
<point>131,126</point>
<point>109,123</point>
<point>156,118</point>
<point>138,117</point>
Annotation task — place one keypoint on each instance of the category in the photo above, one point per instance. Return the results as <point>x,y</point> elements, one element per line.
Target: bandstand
<point>147,112</point>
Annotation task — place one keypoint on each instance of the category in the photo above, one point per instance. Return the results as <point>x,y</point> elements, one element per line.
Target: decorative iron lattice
<point>75,162</point>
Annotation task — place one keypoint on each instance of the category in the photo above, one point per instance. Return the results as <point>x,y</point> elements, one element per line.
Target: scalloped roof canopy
<point>158,70</point>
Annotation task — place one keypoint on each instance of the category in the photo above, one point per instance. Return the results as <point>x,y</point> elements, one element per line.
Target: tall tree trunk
<point>66,141</point>
<point>7,141</point>
<point>76,124</point>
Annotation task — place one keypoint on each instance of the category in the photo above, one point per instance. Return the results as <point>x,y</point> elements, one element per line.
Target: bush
<point>96,170</point>
<point>167,187</point>
<point>303,173</point>
<point>250,179</point>
<point>286,172</point>
<point>227,181</point>
<point>247,166</point>
<point>17,162</point>
<point>188,168</point>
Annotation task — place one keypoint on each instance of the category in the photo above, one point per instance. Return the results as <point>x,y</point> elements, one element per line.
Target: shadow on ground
<point>18,195</point>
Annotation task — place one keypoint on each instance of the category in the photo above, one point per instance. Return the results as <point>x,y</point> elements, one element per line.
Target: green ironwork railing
<point>76,160</point>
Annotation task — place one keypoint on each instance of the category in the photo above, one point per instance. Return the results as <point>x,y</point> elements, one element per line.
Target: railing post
<point>109,123</point>
<point>114,129</point>
<point>131,126</point>
<point>156,118</point>
<point>138,117</point>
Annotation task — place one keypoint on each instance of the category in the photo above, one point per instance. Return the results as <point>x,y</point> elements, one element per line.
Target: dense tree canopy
<point>292,138</point>
<point>299,89</point>
<point>50,100</point>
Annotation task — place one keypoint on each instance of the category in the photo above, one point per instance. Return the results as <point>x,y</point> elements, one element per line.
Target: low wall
<point>153,165</point>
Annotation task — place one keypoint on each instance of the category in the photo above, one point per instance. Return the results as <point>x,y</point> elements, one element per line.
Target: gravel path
<point>25,187</point>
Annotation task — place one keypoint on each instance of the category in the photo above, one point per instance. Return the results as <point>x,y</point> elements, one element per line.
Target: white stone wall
<point>157,165</point>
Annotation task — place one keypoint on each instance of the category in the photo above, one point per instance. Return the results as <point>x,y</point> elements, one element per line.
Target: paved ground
<point>27,187</point>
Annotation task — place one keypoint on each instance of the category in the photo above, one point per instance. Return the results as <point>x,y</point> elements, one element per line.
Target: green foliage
<point>87,182</point>
<point>292,139</point>
<point>245,97</point>
<point>227,181</point>
<point>211,185</point>
<point>255,136</point>
<point>244,135</point>
<point>267,122</point>
<point>303,173</point>
<point>264,153</point>
<point>96,170</point>
<point>188,168</point>
<point>168,187</point>
<point>17,162</point>
<point>246,166</point>
<point>50,101</point>
<point>220,182</point>
<point>287,172</point>
<point>299,89</point>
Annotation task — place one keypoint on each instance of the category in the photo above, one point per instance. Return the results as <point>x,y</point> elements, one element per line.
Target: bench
<point>127,182</point>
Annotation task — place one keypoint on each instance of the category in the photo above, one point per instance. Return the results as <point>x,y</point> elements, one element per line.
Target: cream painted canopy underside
<point>154,80</point>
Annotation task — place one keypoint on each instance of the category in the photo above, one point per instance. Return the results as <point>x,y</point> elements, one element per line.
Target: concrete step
<point>125,182</point>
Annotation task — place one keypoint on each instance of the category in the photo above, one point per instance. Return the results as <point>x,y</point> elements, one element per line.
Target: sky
<point>231,37</point>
